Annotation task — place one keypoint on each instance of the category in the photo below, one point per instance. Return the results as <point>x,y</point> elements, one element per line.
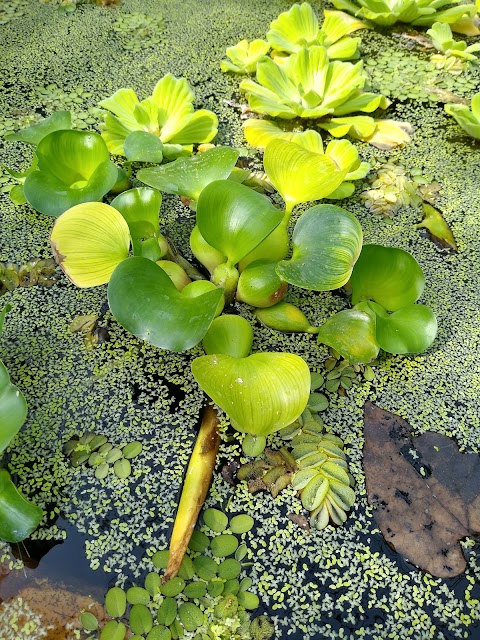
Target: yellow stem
<point>195,489</point>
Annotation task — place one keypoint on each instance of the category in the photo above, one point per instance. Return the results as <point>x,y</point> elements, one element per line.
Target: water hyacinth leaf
<point>285,316</point>
<point>389,276</point>
<point>189,176</point>
<point>116,602</point>
<point>300,175</point>
<point>437,226</point>
<point>259,284</point>
<point>261,393</point>
<point>89,241</point>
<point>352,334</point>
<point>411,329</point>
<point>168,320</point>
<point>275,247</point>
<point>141,146</point>
<point>327,241</point>
<point>36,132</point>
<point>198,288</point>
<point>17,194</point>
<point>13,408</point>
<point>18,517</point>
<point>73,167</point>
<point>230,335</point>
<point>234,219</point>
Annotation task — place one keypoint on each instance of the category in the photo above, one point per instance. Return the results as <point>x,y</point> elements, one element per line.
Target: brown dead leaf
<point>425,492</point>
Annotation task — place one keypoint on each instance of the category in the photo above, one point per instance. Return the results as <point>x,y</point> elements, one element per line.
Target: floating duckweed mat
<point>336,583</point>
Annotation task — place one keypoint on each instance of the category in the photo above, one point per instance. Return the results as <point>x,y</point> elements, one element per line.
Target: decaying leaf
<point>438,227</point>
<point>425,492</point>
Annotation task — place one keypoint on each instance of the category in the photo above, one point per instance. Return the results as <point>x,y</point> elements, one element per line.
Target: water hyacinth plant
<point>18,516</point>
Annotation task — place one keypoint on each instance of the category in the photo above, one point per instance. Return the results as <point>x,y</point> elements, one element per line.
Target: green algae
<point>330,584</point>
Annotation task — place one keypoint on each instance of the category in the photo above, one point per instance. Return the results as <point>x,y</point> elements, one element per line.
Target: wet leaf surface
<point>425,492</point>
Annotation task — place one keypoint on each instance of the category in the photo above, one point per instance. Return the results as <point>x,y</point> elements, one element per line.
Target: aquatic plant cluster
<point>240,263</point>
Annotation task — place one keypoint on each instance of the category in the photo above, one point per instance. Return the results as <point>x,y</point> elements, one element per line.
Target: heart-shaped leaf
<point>411,329</point>
<point>352,333</point>
<point>145,301</point>
<point>141,146</point>
<point>189,176</point>
<point>33,134</point>
<point>73,167</point>
<point>300,175</point>
<point>18,517</point>
<point>89,241</point>
<point>230,335</point>
<point>261,393</point>
<point>326,243</point>
<point>234,219</point>
<point>13,408</point>
<point>390,276</point>
<point>141,208</point>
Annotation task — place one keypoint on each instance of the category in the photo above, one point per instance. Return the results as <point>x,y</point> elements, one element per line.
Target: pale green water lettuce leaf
<point>18,517</point>
<point>36,132</point>
<point>89,241</point>
<point>145,301</point>
<point>244,56</point>
<point>327,241</point>
<point>261,393</point>
<point>168,114</point>
<point>73,167</point>
<point>234,219</point>
<point>387,275</point>
<point>468,119</point>
<point>300,175</point>
<point>189,176</point>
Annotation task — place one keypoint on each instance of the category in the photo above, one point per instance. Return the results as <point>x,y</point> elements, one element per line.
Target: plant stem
<point>195,489</point>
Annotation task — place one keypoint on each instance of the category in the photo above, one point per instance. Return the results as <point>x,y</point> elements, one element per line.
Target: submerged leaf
<point>261,393</point>
<point>426,494</point>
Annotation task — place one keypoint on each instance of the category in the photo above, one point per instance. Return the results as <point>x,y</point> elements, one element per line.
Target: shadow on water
<point>58,562</point>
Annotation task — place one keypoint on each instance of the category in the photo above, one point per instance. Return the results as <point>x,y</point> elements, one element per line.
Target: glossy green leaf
<point>145,301</point>
<point>73,167</point>
<point>141,209</point>
<point>411,329</point>
<point>18,517</point>
<point>189,176</point>
<point>230,335</point>
<point>259,284</point>
<point>89,241</point>
<point>141,146</point>
<point>390,276</point>
<point>261,393</point>
<point>300,175</point>
<point>285,316</point>
<point>352,334</point>
<point>327,241</point>
<point>234,219</point>
<point>13,408</point>
<point>36,132</point>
